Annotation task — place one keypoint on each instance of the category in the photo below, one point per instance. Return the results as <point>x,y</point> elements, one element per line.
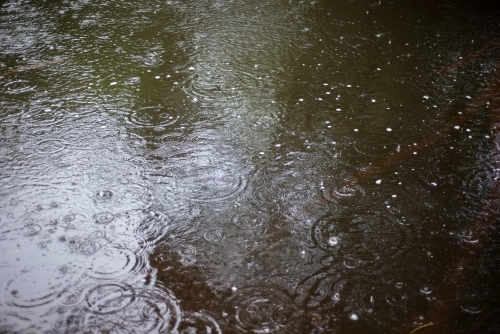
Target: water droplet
<point>333,241</point>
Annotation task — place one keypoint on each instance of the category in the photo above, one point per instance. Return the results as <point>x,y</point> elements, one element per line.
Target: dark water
<point>274,166</point>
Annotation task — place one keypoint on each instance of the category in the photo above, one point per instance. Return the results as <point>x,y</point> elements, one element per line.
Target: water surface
<point>275,166</point>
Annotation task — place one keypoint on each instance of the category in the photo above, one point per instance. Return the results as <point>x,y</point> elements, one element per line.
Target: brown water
<point>257,166</point>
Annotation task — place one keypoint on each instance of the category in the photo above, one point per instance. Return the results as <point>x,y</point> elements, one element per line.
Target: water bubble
<point>353,316</point>
<point>426,290</point>
<point>104,195</point>
<point>333,241</point>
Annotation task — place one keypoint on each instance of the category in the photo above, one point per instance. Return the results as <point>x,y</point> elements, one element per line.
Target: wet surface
<point>249,167</point>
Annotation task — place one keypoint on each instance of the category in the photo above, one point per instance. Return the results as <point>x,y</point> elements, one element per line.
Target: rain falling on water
<point>276,166</point>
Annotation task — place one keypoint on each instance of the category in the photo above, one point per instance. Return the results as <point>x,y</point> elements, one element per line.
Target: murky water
<point>276,166</point>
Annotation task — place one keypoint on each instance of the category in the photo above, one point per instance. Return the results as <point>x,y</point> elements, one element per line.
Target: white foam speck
<point>378,181</point>
<point>389,129</point>
<point>426,97</point>
<point>467,96</point>
<point>373,100</point>
<point>353,316</point>
<point>191,68</point>
<point>456,127</point>
<point>355,130</point>
<point>113,83</point>
<point>157,77</point>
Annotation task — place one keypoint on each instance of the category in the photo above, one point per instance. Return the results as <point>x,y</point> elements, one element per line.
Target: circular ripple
<point>103,218</point>
<point>39,286</point>
<point>251,220</point>
<point>214,236</point>
<point>287,192</point>
<point>70,324</point>
<point>123,194</point>
<point>366,236</point>
<point>199,322</point>
<point>31,230</point>
<point>152,117</point>
<point>354,292</point>
<point>345,192</point>
<point>48,146</point>
<point>85,246</point>
<point>70,298</point>
<point>186,250</point>
<point>115,262</point>
<point>260,121</point>
<point>376,145</point>
<point>142,311</point>
<point>159,312</point>
<point>150,231</point>
<point>258,309</point>
<point>18,87</point>
<point>210,184</point>
<point>108,298</point>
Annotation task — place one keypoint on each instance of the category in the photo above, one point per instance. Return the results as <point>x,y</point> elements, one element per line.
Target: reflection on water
<point>248,167</point>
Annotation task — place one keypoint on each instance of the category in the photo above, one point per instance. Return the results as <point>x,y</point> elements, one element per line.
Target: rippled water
<point>275,166</point>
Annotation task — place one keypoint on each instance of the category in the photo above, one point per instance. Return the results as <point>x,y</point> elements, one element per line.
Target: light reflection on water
<point>204,167</point>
